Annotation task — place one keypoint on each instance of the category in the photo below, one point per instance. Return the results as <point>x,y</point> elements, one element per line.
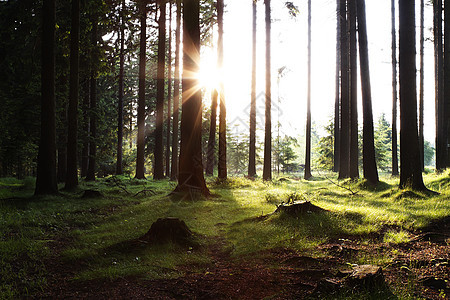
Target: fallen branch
<point>338,185</point>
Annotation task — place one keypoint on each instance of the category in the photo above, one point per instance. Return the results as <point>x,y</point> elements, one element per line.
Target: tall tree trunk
<point>176,97</point>
<point>337,131</point>
<point>158,172</point>
<point>61,133</point>
<point>169,93</point>
<point>190,175</point>
<point>86,129</point>
<point>411,169</point>
<point>267,169</point>
<point>140,159</point>
<point>394,93</point>
<point>252,145</point>
<point>212,134</point>
<point>353,168</point>
<point>446,88</point>
<point>222,166</point>
<point>439,85</point>
<point>46,163</point>
<point>119,164</point>
<point>421,87</point>
<point>90,176</point>
<point>72,114</point>
<point>369,161</point>
<point>308,103</point>
<point>344,154</point>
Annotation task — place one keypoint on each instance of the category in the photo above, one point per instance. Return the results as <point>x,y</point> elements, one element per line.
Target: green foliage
<point>383,143</point>
<point>325,161</point>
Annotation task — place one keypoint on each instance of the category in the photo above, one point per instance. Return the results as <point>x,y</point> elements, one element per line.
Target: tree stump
<point>299,208</point>
<point>366,277</point>
<point>91,194</point>
<point>169,230</point>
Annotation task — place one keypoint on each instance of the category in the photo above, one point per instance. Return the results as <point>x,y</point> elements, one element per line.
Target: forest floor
<point>74,247</point>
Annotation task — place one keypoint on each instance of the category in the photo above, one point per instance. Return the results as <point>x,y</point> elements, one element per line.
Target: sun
<point>209,75</point>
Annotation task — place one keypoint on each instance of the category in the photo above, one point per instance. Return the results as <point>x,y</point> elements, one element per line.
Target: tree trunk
<point>411,170</point>
<point>353,167</point>
<point>46,163</point>
<point>140,156</point>
<point>446,88</point>
<point>344,154</point>
<point>119,164</point>
<point>90,176</point>
<point>308,103</point>
<point>158,172</point>
<point>337,130</point>
<point>86,129</point>
<point>176,97</point>
<point>267,169</point>
<point>61,133</point>
<point>72,114</point>
<point>421,88</point>
<point>252,145</point>
<point>212,135</point>
<point>369,162</point>
<point>169,93</point>
<point>190,175</point>
<point>222,167</point>
<point>439,85</point>
<point>394,93</point>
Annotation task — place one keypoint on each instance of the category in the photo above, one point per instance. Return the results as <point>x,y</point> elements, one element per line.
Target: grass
<point>96,231</point>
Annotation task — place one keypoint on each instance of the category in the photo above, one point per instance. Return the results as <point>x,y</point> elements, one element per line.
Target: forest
<point>152,149</point>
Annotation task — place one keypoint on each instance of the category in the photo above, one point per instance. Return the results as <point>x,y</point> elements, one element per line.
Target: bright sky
<point>289,49</point>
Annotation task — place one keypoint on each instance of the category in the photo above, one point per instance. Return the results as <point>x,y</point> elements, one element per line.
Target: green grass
<point>96,231</point>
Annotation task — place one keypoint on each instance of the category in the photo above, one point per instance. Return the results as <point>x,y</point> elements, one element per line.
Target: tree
<point>119,163</point>
<point>267,169</point>
<point>337,131</point>
<point>158,172</point>
<point>190,175</point>
<point>353,164</point>
<point>72,132</point>
<point>394,93</point>
<point>446,100</point>
<point>383,143</point>
<point>369,162</point>
<point>421,83</point>
<point>46,166</point>
<point>252,145</point>
<point>222,167</point>
<point>169,93</point>
<point>212,134</point>
<point>307,174</point>
<point>344,154</point>
<point>90,176</point>
<point>85,150</point>
<point>176,96</point>
<point>141,102</point>
<point>439,85</point>
<point>324,148</point>
<point>410,163</point>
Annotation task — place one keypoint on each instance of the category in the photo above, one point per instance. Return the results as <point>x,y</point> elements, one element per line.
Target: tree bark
<point>222,166</point>
<point>337,129</point>
<point>212,135</point>
<point>72,114</point>
<point>411,170</point>
<point>307,174</point>
<point>169,93</point>
<point>353,167</point>
<point>140,156</point>
<point>252,145</point>
<point>446,88</point>
<point>86,129</point>
<point>46,163</point>
<point>394,93</point>
<point>369,161</point>
<point>158,172</point>
<point>119,163</point>
<point>344,155</point>
<point>421,83</point>
<point>176,97</point>
<point>90,176</point>
<point>439,85</point>
<point>190,175</point>
<point>267,168</point>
